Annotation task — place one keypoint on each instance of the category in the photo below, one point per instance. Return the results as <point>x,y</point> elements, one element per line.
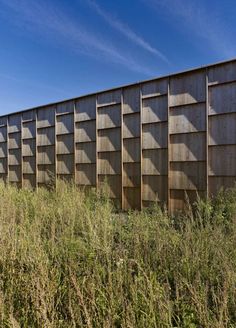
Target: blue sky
<point>57,49</point>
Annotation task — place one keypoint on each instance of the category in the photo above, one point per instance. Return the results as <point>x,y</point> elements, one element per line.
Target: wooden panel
<point>29,130</point>
<point>188,147</point>
<point>65,107</point>
<point>179,199</point>
<point>155,162</point>
<point>65,144</point>
<point>222,73</point>
<point>219,183</point>
<point>14,157</point>
<point>222,160</point>
<point>3,120</point>
<point>109,117</point>
<point>188,175</point>
<point>29,147</point>
<point>29,165</point>
<point>65,164</point>
<point>30,115</point>
<point>85,131</point>
<point>86,174</point>
<point>46,137</point>
<point>46,174</point>
<point>65,124</point>
<point>109,97</point>
<point>3,134</point>
<point>14,140</point>
<point>46,155</point>
<point>131,100</point>
<point>3,165</point>
<point>29,181</point>
<point>109,163</point>
<point>15,173</point>
<point>14,123</point>
<point>86,152</point>
<point>155,135</point>
<point>131,150</point>
<point>109,140</point>
<point>131,175</point>
<point>191,118</point>
<point>132,198</point>
<point>131,125</point>
<point>3,149</point>
<point>46,117</point>
<point>187,89</point>
<point>155,188</point>
<point>222,129</point>
<point>154,109</point>
<point>85,109</point>
<point>112,185</point>
<point>222,99</point>
<point>156,87</point>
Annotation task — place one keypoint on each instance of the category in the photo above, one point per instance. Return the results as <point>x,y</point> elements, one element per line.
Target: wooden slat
<point>131,177</point>
<point>109,140</point>
<point>29,130</point>
<point>46,136</point>
<point>188,175</point>
<point>109,163</point>
<point>29,147</point>
<point>65,107</point>
<point>131,126</point>
<point>109,97</point>
<point>109,117</point>
<point>131,150</point>
<point>14,123</point>
<point>85,131</point>
<point>222,160</point>
<point>85,109</point>
<point>187,89</point>
<point>85,174</point>
<point>14,140</point>
<point>65,144</point>
<point>131,100</point>
<point>65,164</point>
<point>191,118</point>
<point>155,162</point>
<point>46,155</point>
<point>188,147</point>
<point>222,73</point>
<point>155,135</point>
<point>154,110</point>
<point>222,129</point>
<point>222,99</point>
<point>65,124</point>
<point>86,152</point>
<point>3,134</point>
<point>155,188</point>
<point>156,87</point>
<point>46,117</point>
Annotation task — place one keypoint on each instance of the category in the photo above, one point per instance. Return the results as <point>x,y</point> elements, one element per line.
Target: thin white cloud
<point>126,31</point>
<point>50,21</point>
<point>34,84</point>
<point>207,25</point>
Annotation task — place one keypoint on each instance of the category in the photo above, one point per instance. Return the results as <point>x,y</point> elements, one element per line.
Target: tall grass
<point>68,259</point>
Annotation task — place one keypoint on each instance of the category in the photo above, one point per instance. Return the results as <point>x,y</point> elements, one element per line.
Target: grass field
<point>68,259</point>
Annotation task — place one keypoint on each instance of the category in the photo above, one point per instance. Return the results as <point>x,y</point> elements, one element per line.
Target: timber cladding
<point>157,140</point>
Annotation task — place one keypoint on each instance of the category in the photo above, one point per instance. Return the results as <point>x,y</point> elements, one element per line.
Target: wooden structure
<point>150,141</point>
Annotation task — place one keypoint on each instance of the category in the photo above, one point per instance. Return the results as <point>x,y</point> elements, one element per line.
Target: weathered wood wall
<point>153,141</point>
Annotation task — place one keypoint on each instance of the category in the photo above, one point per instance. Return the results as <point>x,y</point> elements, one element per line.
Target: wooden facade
<point>157,140</point>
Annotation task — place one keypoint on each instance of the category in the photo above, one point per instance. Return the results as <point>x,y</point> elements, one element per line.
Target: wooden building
<point>156,140</point>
